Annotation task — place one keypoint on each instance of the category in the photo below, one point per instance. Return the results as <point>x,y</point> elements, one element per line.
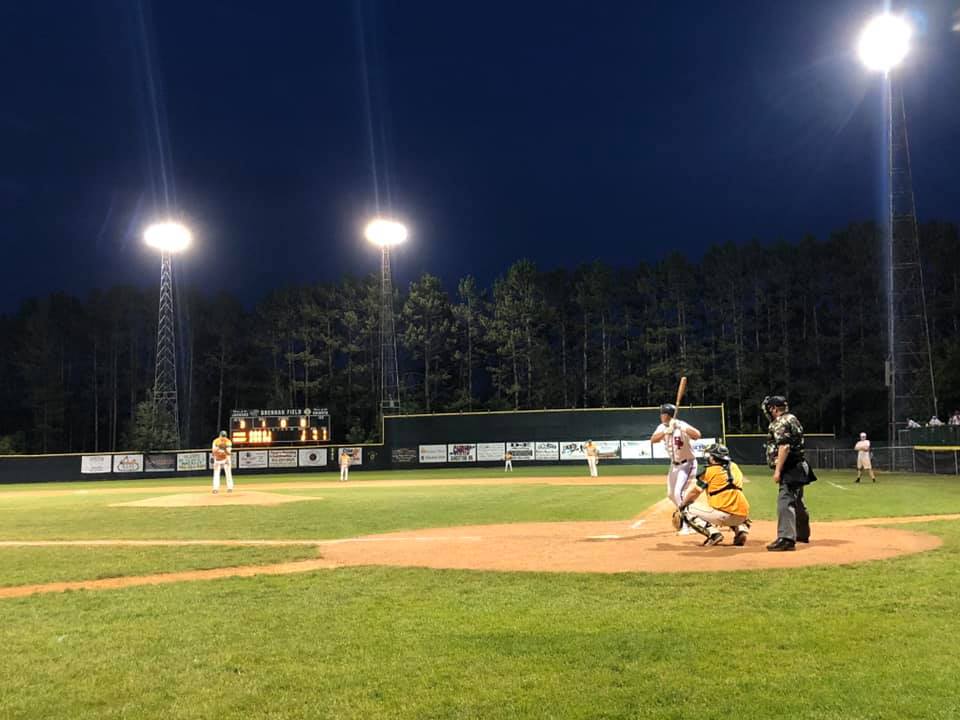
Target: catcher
<point>222,449</point>
<point>722,480</point>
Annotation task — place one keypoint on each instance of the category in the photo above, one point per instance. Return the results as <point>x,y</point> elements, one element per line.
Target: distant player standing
<point>346,459</point>
<point>593,455</point>
<point>863,457</point>
<point>508,461</point>
<point>222,450</point>
<point>676,436</point>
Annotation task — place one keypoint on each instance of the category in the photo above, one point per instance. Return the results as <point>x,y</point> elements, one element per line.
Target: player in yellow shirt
<point>722,481</point>
<point>222,449</point>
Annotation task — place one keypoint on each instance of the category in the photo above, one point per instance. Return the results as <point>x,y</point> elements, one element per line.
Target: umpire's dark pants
<point>793,522</point>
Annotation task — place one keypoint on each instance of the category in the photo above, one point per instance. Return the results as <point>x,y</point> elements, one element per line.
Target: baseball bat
<point>681,391</point>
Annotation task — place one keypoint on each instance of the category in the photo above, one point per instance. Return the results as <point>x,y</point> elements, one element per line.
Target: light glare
<point>385,232</point>
<point>167,237</point>
<point>884,42</point>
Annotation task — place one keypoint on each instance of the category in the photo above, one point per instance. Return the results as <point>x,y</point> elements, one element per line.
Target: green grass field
<point>869,640</point>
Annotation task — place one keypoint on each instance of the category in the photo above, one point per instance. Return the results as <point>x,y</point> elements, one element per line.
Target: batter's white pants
<point>592,462</point>
<point>508,465</point>
<point>344,472</point>
<point>225,465</point>
<point>678,478</point>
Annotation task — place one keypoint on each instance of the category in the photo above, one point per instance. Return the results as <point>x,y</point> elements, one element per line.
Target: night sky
<point>560,131</point>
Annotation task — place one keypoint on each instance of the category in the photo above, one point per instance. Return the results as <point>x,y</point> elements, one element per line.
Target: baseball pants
<point>344,472</point>
<point>225,466</point>
<point>508,465</point>
<point>793,521</point>
<point>592,463</point>
<point>677,479</point>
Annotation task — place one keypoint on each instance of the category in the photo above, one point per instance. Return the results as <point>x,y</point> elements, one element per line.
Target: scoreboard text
<point>302,426</point>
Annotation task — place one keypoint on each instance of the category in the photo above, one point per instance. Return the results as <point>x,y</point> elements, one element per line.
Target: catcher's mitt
<point>677,519</point>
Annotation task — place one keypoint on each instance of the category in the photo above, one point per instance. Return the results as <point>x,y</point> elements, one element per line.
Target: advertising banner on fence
<point>462,452</point>
<point>521,450</point>
<point>636,449</point>
<point>128,463</point>
<point>699,445</point>
<point>573,450</point>
<point>96,464</point>
<point>547,451</point>
<point>487,452</point>
<point>405,455</point>
<point>312,457</point>
<point>608,449</point>
<point>191,461</point>
<point>160,462</point>
<point>355,452</point>
<point>253,458</point>
<point>433,453</point>
<point>286,457</point>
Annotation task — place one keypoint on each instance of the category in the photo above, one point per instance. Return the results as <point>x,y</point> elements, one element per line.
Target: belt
<point>681,462</point>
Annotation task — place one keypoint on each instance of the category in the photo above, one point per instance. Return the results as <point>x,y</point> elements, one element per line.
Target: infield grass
<point>869,640</point>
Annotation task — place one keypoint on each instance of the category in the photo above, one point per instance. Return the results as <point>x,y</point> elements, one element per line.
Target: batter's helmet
<point>718,452</point>
<point>668,409</point>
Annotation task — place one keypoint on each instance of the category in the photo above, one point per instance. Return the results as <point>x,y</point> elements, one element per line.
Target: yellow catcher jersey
<point>724,489</point>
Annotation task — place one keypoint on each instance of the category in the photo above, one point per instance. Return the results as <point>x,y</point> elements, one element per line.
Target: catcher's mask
<point>771,401</point>
<point>668,409</point>
<point>718,452</point>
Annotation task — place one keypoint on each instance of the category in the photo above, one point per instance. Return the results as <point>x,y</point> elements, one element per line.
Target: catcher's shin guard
<point>699,524</point>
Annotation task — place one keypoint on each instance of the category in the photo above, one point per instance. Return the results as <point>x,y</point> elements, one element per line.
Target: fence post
<point>914,460</point>
<point>933,459</point>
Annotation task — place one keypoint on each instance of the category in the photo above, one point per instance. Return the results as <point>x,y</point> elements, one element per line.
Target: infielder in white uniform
<point>346,459</point>
<point>593,455</point>
<point>222,450</point>
<point>863,457</point>
<point>676,436</point>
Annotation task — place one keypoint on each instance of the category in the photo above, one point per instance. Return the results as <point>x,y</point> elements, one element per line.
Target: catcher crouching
<point>722,480</point>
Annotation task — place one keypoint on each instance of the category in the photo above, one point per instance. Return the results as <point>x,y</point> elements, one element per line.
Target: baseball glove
<point>220,454</point>
<point>677,519</point>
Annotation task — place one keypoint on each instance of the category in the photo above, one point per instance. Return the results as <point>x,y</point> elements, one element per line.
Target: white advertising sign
<point>487,452</point>
<point>355,452</point>
<point>95,464</point>
<point>636,449</point>
<point>573,450</point>
<point>701,444</point>
<point>520,450</point>
<point>433,453</point>
<point>313,457</point>
<point>547,451</point>
<point>128,463</point>
<point>462,452</point>
<point>282,458</point>
<point>253,458</point>
<point>608,449</point>
<point>192,461</point>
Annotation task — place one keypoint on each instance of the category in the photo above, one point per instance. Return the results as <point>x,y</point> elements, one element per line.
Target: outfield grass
<point>871,640</point>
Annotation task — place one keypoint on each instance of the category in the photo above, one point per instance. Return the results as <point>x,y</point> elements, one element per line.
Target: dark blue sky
<point>559,131</point>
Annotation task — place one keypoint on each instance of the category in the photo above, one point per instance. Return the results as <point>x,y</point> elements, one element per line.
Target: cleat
<point>781,545</point>
<point>714,539</point>
<point>740,538</point>
<point>229,490</point>
<point>215,492</point>
<point>686,530</point>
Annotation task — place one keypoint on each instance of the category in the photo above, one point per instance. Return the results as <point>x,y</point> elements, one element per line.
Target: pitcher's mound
<point>237,497</point>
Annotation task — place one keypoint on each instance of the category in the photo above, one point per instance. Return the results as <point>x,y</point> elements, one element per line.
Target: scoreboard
<point>301,426</point>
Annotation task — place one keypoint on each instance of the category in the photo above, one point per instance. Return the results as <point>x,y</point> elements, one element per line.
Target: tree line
<point>804,319</point>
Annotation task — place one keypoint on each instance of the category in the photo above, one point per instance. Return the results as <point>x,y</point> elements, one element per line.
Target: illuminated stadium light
<point>168,237</point>
<point>385,233</point>
<point>884,42</point>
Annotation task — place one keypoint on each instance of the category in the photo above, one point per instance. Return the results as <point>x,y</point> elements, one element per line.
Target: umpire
<point>790,471</point>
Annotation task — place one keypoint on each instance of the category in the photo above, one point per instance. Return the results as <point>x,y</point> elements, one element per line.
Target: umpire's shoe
<point>781,545</point>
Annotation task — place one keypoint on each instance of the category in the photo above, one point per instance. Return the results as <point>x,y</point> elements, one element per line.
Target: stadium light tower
<point>385,234</point>
<point>884,43</point>
<point>169,238</point>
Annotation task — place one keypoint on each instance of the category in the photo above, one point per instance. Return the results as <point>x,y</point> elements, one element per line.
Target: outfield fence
<point>906,458</point>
